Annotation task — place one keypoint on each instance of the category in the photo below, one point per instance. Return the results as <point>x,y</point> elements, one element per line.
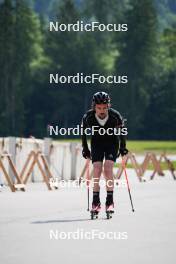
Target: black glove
<point>86,153</point>
<point>123,152</point>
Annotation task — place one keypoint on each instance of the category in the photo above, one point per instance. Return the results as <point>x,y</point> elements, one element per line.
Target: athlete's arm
<point>122,137</point>
<point>121,124</point>
<point>85,151</point>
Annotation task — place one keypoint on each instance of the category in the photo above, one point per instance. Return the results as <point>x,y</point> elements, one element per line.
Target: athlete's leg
<point>97,170</point>
<point>97,154</point>
<point>108,173</point>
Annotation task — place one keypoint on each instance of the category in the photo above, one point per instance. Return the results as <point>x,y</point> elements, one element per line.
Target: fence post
<point>12,153</point>
<point>47,147</point>
<point>46,150</point>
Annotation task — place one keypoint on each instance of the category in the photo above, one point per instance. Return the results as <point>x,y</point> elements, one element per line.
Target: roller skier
<point>104,148</point>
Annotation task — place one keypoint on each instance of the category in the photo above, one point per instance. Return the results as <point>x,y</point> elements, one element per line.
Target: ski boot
<point>95,210</point>
<point>109,210</point>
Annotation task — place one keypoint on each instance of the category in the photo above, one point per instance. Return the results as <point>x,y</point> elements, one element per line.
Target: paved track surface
<point>35,225</point>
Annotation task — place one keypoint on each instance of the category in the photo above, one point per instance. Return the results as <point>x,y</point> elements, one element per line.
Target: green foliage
<point>19,46</point>
<point>166,10</point>
<point>136,61</point>
<point>29,52</point>
<point>163,98</point>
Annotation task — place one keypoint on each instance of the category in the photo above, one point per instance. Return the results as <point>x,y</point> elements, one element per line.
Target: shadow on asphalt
<point>61,221</point>
<point>67,220</point>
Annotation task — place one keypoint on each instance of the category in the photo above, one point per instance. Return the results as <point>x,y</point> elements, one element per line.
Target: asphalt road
<point>41,226</point>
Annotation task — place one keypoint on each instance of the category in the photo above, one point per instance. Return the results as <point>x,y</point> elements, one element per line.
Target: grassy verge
<point>153,146</point>
<point>164,165</point>
<point>143,146</point>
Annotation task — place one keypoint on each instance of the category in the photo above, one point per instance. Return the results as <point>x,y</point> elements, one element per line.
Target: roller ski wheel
<point>95,211</point>
<point>94,215</point>
<point>109,211</point>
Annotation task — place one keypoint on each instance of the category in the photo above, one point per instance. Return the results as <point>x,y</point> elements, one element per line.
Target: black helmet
<point>101,98</point>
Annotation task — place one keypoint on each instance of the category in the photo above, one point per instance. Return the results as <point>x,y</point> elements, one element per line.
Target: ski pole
<point>128,186</point>
<point>87,182</point>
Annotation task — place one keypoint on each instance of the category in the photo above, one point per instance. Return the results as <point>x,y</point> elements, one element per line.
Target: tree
<point>63,51</point>
<point>19,36</point>
<point>161,111</point>
<point>6,49</point>
<point>137,49</point>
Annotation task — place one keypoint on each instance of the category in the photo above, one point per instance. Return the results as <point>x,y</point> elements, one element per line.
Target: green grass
<point>163,164</point>
<point>152,146</point>
<point>143,146</point>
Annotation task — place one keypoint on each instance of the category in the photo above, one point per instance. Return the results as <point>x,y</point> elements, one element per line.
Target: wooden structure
<point>140,169</point>
<point>12,185</point>
<point>36,158</point>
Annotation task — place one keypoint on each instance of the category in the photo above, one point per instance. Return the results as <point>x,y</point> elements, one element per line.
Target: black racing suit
<point>104,146</point>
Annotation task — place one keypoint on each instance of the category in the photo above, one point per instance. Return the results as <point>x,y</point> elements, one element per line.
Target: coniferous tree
<point>136,61</point>
<point>19,47</point>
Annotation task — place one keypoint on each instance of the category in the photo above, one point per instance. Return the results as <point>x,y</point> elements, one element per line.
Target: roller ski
<point>109,210</point>
<point>95,211</point>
